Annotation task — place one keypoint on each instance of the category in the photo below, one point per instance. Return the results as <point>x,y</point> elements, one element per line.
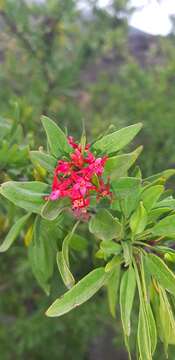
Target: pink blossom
<point>77,158</point>
<point>74,178</point>
<point>63,167</point>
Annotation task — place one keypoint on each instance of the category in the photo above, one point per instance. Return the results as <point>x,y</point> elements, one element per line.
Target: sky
<point>151,16</point>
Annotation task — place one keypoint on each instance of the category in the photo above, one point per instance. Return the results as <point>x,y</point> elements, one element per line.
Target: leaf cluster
<point>133,236</point>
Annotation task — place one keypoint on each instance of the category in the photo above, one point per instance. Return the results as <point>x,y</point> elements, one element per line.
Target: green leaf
<point>160,271</point>
<point>164,317</point>
<point>125,186</point>
<point>110,248</point>
<point>145,322</point>
<point>117,166</point>
<point>13,233</point>
<point>169,202</point>
<point>127,292</point>
<point>57,140</point>
<point>113,263</point>
<point>127,252</point>
<point>65,273</point>
<point>63,260</point>
<point>136,173</point>
<point>151,195</point>
<point>66,242</point>
<point>152,327</point>
<point>100,254</point>
<point>5,128</point>
<point>112,289</point>
<point>165,227</point>
<point>143,335</point>
<point>127,191</point>
<point>165,249</point>
<point>118,139</point>
<point>164,175</point>
<point>52,209</point>
<point>78,243</point>
<point>79,293</point>
<point>169,321</point>
<point>28,195</point>
<point>158,312</point>
<point>138,220</point>
<point>155,214</point>
<point>42,250</point>
<point>105,226</point>
<point>13,156</point>
<point>169,256</point>
<point>46,161</point>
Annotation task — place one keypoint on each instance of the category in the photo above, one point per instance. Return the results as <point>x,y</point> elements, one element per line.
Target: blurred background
<point>104,62</point>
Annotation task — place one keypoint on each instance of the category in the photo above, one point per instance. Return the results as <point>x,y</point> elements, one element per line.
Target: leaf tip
<point>47,313</point>
<point>140,149</point>
<point>140,124</point>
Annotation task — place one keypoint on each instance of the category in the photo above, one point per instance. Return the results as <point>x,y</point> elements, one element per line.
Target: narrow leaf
<point>57,140</point>
<point>150,196</point>
<point>127,292</point>
<point>110,248</point>
<point>46,161</point>
<point>138,219</point>
<point>13,233</point>
<point>115,261</point>
<point>127,253</point>
<point>168,202</point>
<point>78,242</point>
<point>143,332</point>
<point>155,214</point>
<point>65,273</point>
<point>127,191</point>
<point>117,166</point>
<point>28,195</point>
<point>164,175</point>
<point>63,260</point>
<point>118,139</point>
<point>165,227</point>
<point>42,250</point>
<point>152,327</point>
<point>79,293</point>
<point>105,226</point>
<point>66,241</point>
<point>143,335</point>
<point>170,315</point>
<point>52,209</point>
<point>160,271</point>
<point>112,289</point>
<point>28,235</point>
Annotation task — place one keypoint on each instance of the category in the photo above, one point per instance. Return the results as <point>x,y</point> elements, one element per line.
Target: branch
<point>20,35</point>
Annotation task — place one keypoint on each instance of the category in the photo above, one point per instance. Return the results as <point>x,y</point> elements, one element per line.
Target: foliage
<point>56,61</point>
<point>138,252</point>
<point>143,94</point>
<point>23,321</point>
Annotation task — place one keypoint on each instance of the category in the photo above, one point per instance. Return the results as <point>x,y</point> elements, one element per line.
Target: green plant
<point>131,226</point>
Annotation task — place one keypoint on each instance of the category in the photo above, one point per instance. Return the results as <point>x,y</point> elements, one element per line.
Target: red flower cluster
<point>75,178</point>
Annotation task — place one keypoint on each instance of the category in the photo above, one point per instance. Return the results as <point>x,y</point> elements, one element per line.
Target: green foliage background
<point>59,62</point>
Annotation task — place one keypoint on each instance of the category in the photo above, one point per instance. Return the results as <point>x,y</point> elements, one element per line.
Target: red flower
<point>80,203</point>
<point>104,190</point>
<point>63,167</point>
<point>90,158</point>
<point>72,142</point>
<point>74,178</point>
<point>77,158</point>
<point>83,186</point>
